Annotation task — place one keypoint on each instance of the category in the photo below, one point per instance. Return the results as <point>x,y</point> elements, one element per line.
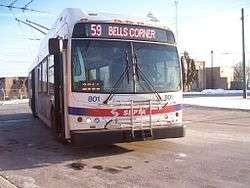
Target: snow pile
<point>17,101</point>
<point>219,102</point>
<point>219,91</point>
<point>214,92</point>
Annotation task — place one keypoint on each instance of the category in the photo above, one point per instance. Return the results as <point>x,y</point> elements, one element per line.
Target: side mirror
<point>65,43</point>
<point>54,46</point>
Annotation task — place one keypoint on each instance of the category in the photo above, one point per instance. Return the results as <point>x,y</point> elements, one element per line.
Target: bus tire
<point>61,139</point>
<point>34,114</point>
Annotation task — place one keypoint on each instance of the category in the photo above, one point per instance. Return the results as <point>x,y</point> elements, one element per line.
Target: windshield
<point>159,64</point>
<point>106,66</point>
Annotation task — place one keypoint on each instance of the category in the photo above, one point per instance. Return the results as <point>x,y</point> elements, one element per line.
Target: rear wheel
<point>34,115</point>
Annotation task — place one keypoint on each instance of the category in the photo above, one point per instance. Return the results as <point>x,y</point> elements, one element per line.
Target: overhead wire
<point>35,39</point>
<point>25,17</point>
<point>28,46</point>
<point>25,6</point>
<point>12,3</point>
<point>11,6</point>
<point>22,8</point>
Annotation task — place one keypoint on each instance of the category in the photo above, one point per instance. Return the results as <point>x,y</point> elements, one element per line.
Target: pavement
<point>214,153</point>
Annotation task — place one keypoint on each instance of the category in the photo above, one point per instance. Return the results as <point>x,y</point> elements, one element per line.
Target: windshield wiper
<point>150,86</point>
<point>139,74</point>
<point>119,81</point>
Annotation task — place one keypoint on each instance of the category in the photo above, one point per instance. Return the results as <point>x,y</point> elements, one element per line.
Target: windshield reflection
<point>108,63</point>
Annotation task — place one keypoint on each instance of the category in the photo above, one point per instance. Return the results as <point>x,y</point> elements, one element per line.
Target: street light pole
<point>176,20</point>
<point>212,69</point>
<point>243,57</point>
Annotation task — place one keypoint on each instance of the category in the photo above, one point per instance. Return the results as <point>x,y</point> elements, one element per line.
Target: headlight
<point>97,120</point>
<point>88,120</point>
<point>166,116</point>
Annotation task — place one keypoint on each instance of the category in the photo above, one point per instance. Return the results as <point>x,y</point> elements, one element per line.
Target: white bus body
<point>72,90</point>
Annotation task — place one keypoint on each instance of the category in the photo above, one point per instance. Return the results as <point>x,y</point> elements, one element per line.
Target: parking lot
<point>214,153</point>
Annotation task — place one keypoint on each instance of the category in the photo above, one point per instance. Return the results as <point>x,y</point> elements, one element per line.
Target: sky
<point>202,26</point>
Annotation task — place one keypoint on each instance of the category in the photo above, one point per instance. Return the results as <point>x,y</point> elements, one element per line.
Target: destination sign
<point>122,31</point>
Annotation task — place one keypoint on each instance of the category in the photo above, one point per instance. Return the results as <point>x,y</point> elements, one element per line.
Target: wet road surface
<point>214,153</point>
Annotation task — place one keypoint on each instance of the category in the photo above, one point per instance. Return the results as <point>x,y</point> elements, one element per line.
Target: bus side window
<point>39,70</point>
<point>44,75</point>
<point>51,74</point>
<point>29,86</point>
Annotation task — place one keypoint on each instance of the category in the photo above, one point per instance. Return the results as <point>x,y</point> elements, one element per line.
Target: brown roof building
<point>13,87</point>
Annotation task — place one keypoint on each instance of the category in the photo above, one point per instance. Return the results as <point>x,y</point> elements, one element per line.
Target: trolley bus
<point>105,78</point>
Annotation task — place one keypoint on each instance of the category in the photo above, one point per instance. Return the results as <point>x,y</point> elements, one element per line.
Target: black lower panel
<point>102,136</point>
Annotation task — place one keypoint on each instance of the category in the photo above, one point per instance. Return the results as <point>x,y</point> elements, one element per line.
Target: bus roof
<point>63,27</point>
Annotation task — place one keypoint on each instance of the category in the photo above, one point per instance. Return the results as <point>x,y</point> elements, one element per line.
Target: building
<point>219,77</point>
<point>210,78</point>
<point>13,87</point>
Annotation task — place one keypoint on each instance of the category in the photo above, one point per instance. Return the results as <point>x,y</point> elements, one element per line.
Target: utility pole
<point>176,20</point>
<point>212,69</point>
<point>243,56</point>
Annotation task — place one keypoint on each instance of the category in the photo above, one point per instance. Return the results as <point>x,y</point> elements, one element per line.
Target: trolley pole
<point>243,56</point>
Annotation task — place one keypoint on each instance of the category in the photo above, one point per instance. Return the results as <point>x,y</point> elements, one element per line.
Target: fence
<point>9,94</point>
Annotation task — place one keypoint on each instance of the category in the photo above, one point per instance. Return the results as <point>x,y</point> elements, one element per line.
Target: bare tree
<point>238,72</point>
<point>189,72</point>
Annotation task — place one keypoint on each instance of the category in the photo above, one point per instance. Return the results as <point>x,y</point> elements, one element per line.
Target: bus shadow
<point>26,143</point>
<point>5,118</point>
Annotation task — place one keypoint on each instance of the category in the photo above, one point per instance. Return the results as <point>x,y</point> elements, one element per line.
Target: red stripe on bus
<point>121,112</point>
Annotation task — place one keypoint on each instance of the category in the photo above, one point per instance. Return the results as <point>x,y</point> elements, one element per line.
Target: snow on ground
<point>236,102</point>
<point>215,91</point>
<point>16,101</point>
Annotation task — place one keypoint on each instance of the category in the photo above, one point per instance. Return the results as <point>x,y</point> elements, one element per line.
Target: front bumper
<point>111,136</point>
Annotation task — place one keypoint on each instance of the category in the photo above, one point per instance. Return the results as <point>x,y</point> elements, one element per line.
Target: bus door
<point>58,95</point>
<point>58,122</point>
